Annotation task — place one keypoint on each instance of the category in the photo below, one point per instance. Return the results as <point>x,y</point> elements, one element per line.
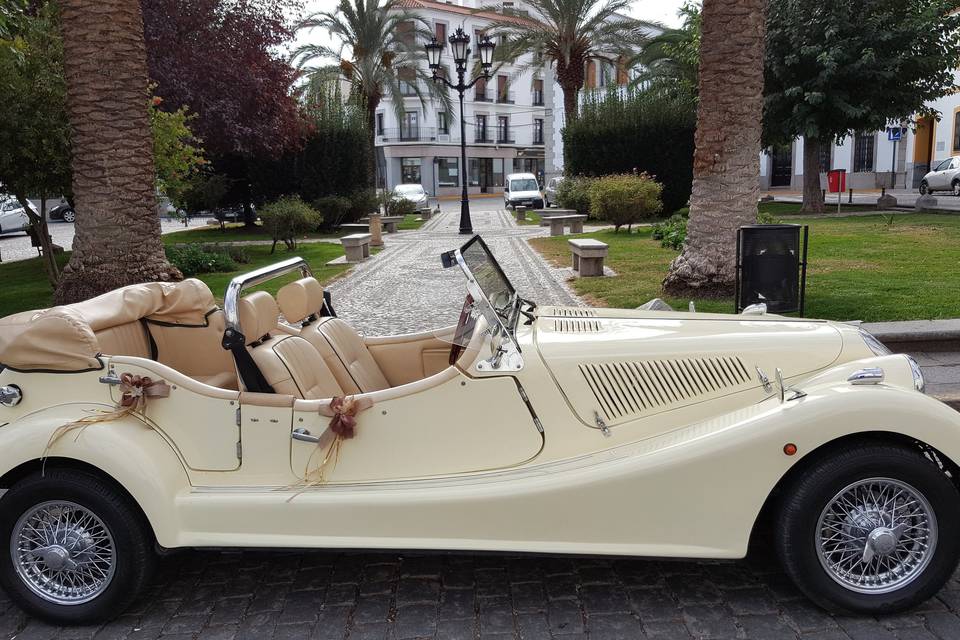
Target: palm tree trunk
<point>570,102</point>
<point>812,193</point>
<point>726,170</point>
<point>117,238</point>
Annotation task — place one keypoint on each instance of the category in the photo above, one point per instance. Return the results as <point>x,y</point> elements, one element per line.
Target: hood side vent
<point>573,312</point>
<point>625,389</point>
<point>576,326</point>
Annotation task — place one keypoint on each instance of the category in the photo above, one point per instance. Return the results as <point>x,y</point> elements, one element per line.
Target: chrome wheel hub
<point>876,535</point>
<point>63,552</point>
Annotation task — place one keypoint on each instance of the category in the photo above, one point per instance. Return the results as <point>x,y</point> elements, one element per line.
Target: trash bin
<point>837,180</point>
<point>771,267</point>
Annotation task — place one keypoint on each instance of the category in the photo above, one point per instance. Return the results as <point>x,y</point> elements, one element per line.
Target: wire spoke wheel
<point>876,535</point>
<point>63,552</point>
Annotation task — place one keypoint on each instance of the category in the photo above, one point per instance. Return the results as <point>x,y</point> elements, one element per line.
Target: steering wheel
<point>464,330</point>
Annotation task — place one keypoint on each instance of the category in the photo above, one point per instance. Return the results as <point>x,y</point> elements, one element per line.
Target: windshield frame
<point>507,354</point>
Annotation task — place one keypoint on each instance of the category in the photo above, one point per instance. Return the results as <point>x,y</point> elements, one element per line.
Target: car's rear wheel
<point>75,550</point>
<point>873,529</point>
<point>924,188</point>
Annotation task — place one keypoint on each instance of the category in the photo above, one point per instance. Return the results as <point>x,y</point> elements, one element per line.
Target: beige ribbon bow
<point>134,391</point>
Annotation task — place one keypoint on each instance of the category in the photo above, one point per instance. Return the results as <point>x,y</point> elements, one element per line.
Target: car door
<point>446,425</point>
<point>951,173</point>
<point>937,178</point>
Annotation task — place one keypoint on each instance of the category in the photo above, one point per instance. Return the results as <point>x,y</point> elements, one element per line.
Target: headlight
<point>877,347</point>
<point>918,383</point>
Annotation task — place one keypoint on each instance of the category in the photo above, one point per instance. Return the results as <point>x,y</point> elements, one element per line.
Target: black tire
<point>69,215</point>
<point>539,204</point>
<point>804,501</point>
<point>924,188</point>
<point>133,541</point>
<point>955,187</point>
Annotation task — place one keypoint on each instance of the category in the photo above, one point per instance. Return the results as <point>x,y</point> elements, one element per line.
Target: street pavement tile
<point>297,631</point>
<point>496,616</point>
<point>750,601</point>
<point>457,603</point>
<point>528,596</point>
<point>222,632</point>
<point>372,631</point>
<point>654,605</point>
<point>805,616</point>
<point>463,629</point>
<point>613,626</point>
<point>863,628</point>
<point>604,598</point>
<point>413,590</point>
<point>709,622</point>
<point>663,630</point>
<point>943,625</point>
<point>691,590</point>
<point>371,609</point>
<point>533,625</point>
<point>565,616</point>
<point>415,621</point>
<point>766,627</point>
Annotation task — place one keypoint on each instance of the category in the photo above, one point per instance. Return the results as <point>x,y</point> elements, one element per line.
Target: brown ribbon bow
<point>136,389</point>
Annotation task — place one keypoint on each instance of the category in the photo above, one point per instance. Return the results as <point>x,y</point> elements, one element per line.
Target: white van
<point>522,189</point>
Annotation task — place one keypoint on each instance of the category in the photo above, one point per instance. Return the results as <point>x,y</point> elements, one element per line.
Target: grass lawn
<point>533,219</point>
<point>26,285</point>
<point>860,268</point>
<point>793,208</point>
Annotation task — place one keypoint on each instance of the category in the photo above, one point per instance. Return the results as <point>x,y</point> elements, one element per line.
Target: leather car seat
<point>342,348</point>
<point>290,364</point>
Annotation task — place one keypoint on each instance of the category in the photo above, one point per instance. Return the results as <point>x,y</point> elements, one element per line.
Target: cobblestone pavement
<point>16,246</point>
<point>314,595</point>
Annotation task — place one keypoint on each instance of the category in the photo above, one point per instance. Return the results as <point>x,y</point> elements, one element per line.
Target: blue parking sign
<point>894,134</point>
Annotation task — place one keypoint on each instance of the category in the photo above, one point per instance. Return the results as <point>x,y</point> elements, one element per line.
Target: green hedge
<point>635,132</point>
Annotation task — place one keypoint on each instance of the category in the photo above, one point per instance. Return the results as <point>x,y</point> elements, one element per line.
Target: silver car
<point>412,192</point>
<point>550,193</point>
<point>12,216</point>
<point>945,176</point>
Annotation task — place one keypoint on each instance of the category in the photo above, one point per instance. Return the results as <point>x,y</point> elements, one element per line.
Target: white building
<point>506,119</point>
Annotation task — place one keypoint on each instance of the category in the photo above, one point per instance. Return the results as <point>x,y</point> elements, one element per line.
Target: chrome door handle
<point>303,435</point>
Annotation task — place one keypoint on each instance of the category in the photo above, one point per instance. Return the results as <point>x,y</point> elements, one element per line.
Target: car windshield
<point>524,184</point>
<point>409,190</point>
<point>9,205</point>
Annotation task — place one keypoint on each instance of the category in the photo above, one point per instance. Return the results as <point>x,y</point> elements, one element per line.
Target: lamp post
<point>460,44</point>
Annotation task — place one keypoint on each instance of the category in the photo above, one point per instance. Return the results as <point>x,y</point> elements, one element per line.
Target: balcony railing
<point>482,135</point>
<point>482,96</point>
<point>408,134</point>
<point>506,97</point>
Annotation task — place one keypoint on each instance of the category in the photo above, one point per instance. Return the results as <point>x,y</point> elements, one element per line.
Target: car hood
<point>623,365</point>
<point>518,195</point>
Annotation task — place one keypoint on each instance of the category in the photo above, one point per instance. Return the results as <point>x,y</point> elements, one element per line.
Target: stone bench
<point>389,222</point>
<point>575,221</point>
<point>546,214</point>
<point>520,213</point>
<point>426,214</point>
<point>588,255</point>
<point>356,246</point>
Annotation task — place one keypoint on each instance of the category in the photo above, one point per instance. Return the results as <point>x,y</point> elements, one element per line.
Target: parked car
<point>523,428</point>
<point>13,218</point>
<point>412,192</point>
<point>550,192</point>
<point>945,176</point>
<point>63,212</point>
<point>522,189</point>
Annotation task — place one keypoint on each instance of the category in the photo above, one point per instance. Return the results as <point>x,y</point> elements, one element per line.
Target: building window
<point>448,172</point>
<point>410,126</point>
<point>480,90</point>
<point>503,92</point>
<point>379,124</point>
<point>442,125</point>
<point>956,131</point>
<point>503,129</point>
<point>408,81</point>
<point>863,147</point>
<point>538,93</point>
<point>410,170</point>
<point>480,129</point>
<point>537,131</point>
<point>440,32</point>
<point>407,33</point>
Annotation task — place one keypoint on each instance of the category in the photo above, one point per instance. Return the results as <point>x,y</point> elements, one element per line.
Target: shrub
<point>765,217</point>
<point>638,131</point>
<point>672,232</point>
<point>334,209</point>
<point>363,203</point>
<point>287,218</point>
<point>194,259</point>
<point>400,207</point>
<point>625,199</point>
<point>574,193</point>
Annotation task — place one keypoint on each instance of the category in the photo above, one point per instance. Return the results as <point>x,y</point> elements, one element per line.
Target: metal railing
<point>408,134</point>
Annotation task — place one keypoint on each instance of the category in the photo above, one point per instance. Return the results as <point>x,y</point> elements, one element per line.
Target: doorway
<point>781,161</point>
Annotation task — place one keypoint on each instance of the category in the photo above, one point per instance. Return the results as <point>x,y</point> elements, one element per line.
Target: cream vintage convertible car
<point>149,419</point>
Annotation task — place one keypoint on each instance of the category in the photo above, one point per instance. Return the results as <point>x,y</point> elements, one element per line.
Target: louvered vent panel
<point>628,388</point>
<point>574,312</point>
<point>576,326</point>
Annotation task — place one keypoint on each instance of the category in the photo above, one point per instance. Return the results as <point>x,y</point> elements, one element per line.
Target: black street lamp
<point>460,44</point>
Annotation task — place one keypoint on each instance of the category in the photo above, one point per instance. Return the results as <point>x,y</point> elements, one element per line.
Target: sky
<point>662,11</point>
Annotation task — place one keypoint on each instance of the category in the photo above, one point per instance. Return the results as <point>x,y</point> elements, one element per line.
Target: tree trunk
<point>571,103</point>
<point>372,104</point>
<point>117,238</point>
<point>812,193</point>
<point>726,170</point>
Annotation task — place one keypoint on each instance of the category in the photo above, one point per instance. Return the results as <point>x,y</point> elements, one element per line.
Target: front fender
<point>131,453</point>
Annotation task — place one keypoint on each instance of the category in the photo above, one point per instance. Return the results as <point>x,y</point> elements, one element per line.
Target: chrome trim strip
<point>232,295</point>
<point>869,375</point>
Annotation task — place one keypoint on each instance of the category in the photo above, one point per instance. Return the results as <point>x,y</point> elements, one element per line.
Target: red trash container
<point>837,180</point>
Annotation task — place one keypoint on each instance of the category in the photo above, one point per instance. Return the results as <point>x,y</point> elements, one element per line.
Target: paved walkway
<point>389,596</point>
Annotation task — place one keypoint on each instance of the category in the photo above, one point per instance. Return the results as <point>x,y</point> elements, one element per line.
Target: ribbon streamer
<point>134,391</point>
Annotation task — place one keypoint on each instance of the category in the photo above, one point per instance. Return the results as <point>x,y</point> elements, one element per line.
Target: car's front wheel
<point>872,529</point>
<point>924,188</point>
<point>74,549</point>
<point>69,215</point>
<point>955,188</point>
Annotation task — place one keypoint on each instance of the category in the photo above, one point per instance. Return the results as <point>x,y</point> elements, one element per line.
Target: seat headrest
<point>258,313</point>
<point>300,299</point>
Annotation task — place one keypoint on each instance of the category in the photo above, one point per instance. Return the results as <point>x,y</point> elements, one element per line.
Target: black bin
<point>771,266</point>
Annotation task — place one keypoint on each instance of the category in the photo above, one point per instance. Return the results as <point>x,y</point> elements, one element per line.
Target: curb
<point>915,331</point>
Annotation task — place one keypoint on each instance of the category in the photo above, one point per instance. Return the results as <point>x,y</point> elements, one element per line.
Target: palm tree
<point>669,60</point>
<point>117,239</point>
<point>378,54</point>
<point>726,174</point>
<point>566,34</point>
